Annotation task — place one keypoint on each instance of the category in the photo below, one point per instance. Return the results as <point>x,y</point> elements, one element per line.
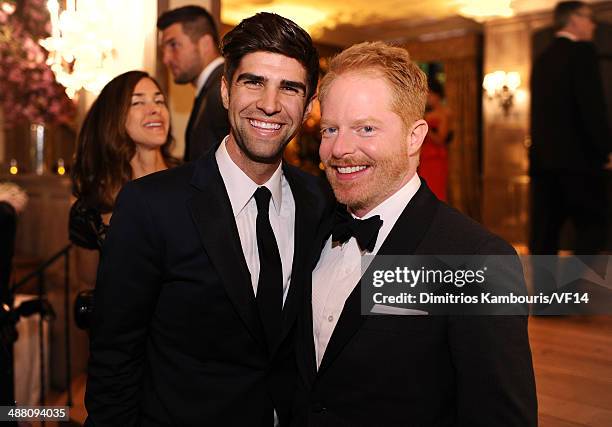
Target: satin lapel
<point>404,238</point>
<point>305,226</point>
<point>213,216</point>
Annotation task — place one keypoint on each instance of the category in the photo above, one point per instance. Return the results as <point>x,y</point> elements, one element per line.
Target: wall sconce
<point>503,86</point>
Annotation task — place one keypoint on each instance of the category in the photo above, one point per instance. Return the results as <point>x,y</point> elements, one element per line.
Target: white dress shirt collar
<point>567,35</point>
<point>240,188</point>
<point>206,72</point>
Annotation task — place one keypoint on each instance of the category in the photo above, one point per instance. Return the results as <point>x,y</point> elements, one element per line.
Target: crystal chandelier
<point>80,48</point>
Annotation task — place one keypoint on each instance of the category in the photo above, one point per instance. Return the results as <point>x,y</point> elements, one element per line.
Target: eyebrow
<point>168,41</point>
<point>249,76</point>
<point>256,78</point>
<point>143,94</point>
<point>359,122</point>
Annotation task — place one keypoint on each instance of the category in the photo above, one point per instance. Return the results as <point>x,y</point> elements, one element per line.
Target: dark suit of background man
<point>571,143</point>
<point>8,228</point>
<point>190,49</point>
<point>12,201</point>
<point>411,370</point>
<point>200,278</point>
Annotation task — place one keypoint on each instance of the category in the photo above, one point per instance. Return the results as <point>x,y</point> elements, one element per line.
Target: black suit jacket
<point>176,339</point>
<point>8,229</point>
<point>569,129</point>
<point>420,370</point>
<point>208,123</point>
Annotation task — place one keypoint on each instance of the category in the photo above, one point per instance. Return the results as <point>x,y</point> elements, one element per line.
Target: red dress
<point>433,166</point>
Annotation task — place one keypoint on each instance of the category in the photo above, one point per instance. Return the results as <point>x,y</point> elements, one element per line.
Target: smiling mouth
<point>264,125</point>
<point>349,169</point>
<point>153,125</point>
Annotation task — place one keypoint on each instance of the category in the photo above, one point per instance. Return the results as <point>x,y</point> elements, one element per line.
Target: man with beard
<point>190,49</point>
<point>201,275</point>
<point>411,370</point>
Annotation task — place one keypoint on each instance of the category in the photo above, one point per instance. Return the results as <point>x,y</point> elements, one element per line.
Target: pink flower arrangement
<point>28,90</point>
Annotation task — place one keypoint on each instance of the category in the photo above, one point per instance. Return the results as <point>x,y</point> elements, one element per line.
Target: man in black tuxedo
<point>201,275</point>
<point>571,143</point>
<point>190,49</point>
<point>410,370</point>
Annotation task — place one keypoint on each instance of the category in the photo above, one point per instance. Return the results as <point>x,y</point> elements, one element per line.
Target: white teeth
<point>153,125</point>
<point>351,169</point>
<point>265,125</point>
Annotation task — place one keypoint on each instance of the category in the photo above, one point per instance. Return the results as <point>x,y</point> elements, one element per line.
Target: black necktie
<point>365,231</point>
<point>270,284</point>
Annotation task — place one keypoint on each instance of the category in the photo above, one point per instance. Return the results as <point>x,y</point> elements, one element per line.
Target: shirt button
<point>330,318</point>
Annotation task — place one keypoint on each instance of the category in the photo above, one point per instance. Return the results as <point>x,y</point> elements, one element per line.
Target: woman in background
<point>433,166</point>
<point>125,135</point>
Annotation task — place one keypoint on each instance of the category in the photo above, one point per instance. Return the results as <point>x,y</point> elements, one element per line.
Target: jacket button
<point>317,407</point>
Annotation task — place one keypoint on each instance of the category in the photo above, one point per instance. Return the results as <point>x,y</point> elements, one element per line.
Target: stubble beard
<point>370,191</point>
<point>245,145</point>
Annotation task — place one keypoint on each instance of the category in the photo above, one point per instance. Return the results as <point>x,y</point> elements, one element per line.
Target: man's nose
<point>343,145</point>
<point>269,101</point>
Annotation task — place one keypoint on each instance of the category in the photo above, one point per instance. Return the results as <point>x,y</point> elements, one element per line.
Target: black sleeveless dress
<point>87,230</point>
<point>85,226</point>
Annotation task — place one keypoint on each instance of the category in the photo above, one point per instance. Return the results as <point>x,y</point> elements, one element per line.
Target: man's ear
<point>416,136</point>
<point>308,108</point>
<point>224,93</point>
<point>206,45</point>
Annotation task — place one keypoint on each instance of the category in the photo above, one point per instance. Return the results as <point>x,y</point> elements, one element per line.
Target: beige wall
<point>507,47</point>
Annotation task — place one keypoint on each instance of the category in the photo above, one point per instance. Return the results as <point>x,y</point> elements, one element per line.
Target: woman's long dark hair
<point>104,148</point>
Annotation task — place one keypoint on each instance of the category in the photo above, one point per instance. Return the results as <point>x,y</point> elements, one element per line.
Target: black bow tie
<point>364,230</point>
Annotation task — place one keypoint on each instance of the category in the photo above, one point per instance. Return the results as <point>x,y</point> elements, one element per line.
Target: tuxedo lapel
<point>404,239</point>
<point>214,219</point>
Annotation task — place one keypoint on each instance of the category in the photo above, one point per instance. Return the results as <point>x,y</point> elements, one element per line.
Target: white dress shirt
<point>240,189</point>
<point>567,35</point>
<point>339,268</point>
<point>206,72</point>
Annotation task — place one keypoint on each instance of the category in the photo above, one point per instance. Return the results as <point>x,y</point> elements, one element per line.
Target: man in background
<point>571,145</point>
<point>190,49</point>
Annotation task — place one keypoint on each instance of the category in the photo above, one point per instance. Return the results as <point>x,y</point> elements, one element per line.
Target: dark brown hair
<point>195,22</point>
<point>269,32</point>
<point>104,148</point>
<point>564,10</point>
